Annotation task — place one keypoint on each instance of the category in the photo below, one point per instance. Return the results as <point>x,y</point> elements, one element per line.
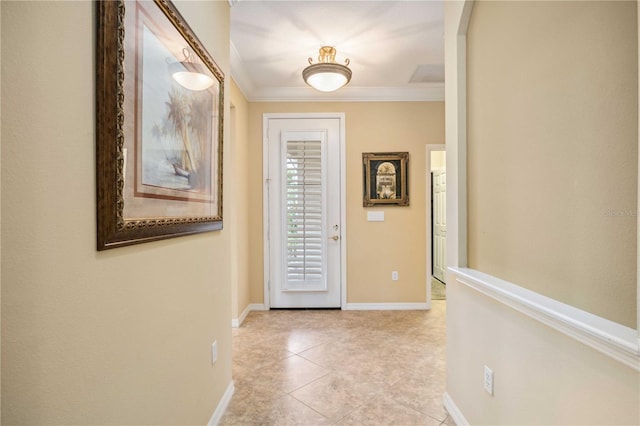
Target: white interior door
<point>439,224</point>
<point>304,212</point>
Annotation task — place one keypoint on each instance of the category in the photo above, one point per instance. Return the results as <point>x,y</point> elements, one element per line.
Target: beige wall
<point>239,195</point>
<point>116,337</point>
<point>552,163</point>
<point>0,212</point>
<point>374,249</point>
<point>540,376</point>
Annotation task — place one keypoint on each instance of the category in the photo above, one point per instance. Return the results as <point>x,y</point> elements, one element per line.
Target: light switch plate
<point>375,216</point>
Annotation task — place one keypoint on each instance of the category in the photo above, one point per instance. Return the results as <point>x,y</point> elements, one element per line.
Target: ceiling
<point>395,48</point>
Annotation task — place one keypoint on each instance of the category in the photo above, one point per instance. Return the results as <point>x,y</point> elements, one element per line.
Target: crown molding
<point>238,72</point>
<point>431,93</point>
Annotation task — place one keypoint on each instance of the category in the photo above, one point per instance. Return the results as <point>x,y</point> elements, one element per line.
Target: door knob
<point>335,237</point>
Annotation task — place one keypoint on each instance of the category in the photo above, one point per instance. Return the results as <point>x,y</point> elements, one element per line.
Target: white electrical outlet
<point>488,380</point>
<point>394,275</point>
<point>214,352</point>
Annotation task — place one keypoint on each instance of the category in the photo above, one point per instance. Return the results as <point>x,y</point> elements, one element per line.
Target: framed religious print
<point>159,126</point>
<point>385,178</point>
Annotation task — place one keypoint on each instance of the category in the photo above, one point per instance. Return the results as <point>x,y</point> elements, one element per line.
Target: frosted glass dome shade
<point>326,75</point>
<point>327,79</point>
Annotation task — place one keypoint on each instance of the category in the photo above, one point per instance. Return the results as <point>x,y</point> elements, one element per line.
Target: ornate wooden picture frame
<point>160,110</point>
<point>385,178</point>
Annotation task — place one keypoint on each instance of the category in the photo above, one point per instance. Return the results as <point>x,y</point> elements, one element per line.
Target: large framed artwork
<point>159,126</point>
<point>385,178</point>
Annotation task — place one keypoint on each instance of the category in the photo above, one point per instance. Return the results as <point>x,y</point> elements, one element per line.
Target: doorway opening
<point>436,222</point>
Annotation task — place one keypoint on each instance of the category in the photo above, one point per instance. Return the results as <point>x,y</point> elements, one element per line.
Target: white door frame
<point>430,149</point>
<point>265,198</point>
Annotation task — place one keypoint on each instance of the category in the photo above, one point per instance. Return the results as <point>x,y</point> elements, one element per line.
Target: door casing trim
<point>265,197</point>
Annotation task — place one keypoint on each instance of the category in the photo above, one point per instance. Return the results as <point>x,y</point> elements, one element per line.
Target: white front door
<point>439,224</point>
<point>304,226</point>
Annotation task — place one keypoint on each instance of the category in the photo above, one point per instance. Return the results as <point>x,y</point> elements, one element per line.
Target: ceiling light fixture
<point>189,74</point>
<point>327,75</point>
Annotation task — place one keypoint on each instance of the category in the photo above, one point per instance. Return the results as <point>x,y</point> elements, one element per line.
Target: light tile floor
<point>316,367</point>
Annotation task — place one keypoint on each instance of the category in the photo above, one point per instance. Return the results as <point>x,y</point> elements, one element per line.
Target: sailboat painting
<point>159,121</point>
<point>175,141</point>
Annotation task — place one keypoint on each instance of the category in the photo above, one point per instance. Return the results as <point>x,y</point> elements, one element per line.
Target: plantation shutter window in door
<point>303,187</point>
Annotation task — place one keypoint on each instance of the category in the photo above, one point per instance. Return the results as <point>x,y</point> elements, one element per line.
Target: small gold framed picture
<point>385,178</point>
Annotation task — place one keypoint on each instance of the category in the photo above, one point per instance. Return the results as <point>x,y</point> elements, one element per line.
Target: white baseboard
<point>385,307</point>
<point>222,405</point>
<point>237,322</point>
<point>454,411</point>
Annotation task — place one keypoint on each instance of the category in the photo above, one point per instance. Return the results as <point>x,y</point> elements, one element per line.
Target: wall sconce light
<point>190,75</point>
<point>326,75</point>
